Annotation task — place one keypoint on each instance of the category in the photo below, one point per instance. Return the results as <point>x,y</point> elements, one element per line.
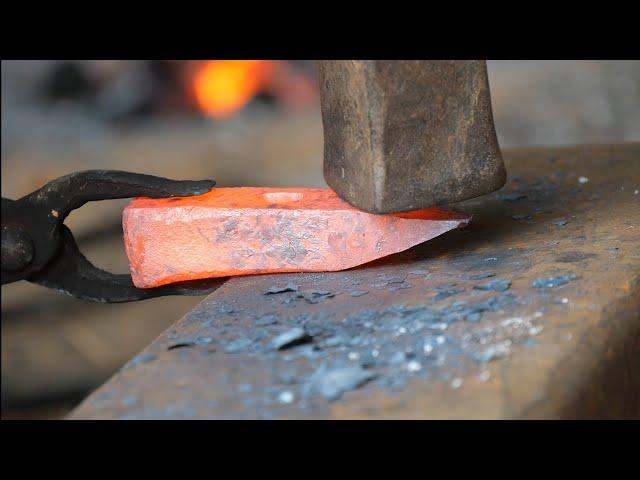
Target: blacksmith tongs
<point>39,248</point>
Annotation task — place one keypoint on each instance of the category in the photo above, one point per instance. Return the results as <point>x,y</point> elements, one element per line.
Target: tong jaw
<point>38,247</point>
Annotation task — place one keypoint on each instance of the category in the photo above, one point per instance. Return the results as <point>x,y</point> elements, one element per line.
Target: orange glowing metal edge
<point>243,231</point>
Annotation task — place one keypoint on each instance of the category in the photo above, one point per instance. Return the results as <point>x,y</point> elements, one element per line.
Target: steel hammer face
<point>404,135</point>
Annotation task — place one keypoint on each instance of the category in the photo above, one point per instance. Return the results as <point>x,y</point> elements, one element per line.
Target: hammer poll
<point>403,135</point>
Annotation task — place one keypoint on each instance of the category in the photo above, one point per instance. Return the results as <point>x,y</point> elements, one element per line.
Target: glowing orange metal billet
<point>242,231</point>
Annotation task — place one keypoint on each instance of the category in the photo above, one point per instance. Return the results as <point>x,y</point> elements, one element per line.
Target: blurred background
<point>249,122</point>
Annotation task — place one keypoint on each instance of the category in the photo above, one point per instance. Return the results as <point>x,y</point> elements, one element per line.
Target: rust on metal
<point>553,332</point>
<point>403,135</point>
<point>247,230</point>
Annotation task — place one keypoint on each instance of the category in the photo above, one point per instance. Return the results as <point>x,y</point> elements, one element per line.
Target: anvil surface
<point>533,311</point>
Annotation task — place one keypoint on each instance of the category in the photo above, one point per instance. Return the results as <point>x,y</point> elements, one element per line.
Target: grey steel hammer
<point>402,135</point>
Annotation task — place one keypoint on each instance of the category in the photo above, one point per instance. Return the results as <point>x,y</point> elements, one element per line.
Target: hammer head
<point>404,135</point>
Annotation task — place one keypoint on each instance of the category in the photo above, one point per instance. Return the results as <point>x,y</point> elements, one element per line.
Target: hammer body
<point>403,135</point>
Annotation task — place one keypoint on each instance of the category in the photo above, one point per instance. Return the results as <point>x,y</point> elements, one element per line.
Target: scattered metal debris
<point>392,345</point>
<point>290,338</point>
<point>142,358</point>
<point>561,222</point>
<point>400,286</point>
<point>358,293</point>
<point>551,282</point>
<point>386,280</point>
<point>186,342</point>
<point>289,287</point>
<point>323,293</point>
<point>446,292</point>
<point>182,344</point>
<point>414,366</point>
<point>286,397</point>
<point>268,319</point>
<point>497,285</point>
<point>494,352</point>
<point>522,216</point>
<point>238,346</point>
<point>304,296</point>
<point>572,257</point>
<point>419,272</point>
<point>481,276</point>
<point>511,196</point>
<point>333,384</point>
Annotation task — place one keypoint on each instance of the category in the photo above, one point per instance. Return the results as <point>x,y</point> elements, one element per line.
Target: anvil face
<point>241,231</point>
<point>402,135</point>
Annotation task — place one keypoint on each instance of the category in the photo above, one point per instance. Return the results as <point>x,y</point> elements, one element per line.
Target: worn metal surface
<point>39,248</point>
<point>533,311</point>
<point>407,134</point>
<point>241,231</point>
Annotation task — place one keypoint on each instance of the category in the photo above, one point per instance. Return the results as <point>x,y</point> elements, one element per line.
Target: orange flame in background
<point>223,87</point>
